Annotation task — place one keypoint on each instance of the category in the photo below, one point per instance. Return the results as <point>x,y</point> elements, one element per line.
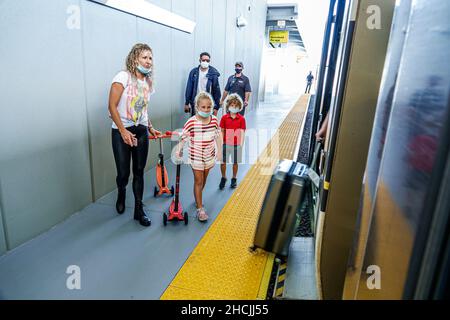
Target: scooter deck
<point>159,179</point>
<point>178,215</point>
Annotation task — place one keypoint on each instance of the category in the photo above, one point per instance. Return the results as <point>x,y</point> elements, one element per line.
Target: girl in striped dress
<point>202,133</point>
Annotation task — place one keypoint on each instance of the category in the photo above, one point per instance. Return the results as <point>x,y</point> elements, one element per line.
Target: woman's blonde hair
<point>133,56</point>
<point>233,98</point>
<point>202,96</point>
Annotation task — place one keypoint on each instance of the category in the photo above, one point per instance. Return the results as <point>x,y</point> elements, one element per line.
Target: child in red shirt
<point>233,131</point>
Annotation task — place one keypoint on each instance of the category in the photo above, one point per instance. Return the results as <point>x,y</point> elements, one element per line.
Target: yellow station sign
<point>279,36</point>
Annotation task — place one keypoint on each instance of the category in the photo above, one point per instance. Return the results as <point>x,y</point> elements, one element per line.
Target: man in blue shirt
<point>309,80</point>
<point>202,78</point>
<point>240,84</point>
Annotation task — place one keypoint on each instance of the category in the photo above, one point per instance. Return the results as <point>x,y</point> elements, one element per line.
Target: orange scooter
<point>162,178</point>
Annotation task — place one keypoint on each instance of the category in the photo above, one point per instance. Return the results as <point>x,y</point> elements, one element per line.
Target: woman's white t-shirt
<point>133,104</point>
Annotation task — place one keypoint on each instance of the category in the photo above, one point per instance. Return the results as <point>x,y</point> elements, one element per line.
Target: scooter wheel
<point>165,219</point>
<point>172,190</point>
<point>186,220</point>
<point>155,192</point>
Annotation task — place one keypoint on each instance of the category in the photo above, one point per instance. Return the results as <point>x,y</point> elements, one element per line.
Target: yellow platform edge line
<point>203,277</point>
<point>262,293</point>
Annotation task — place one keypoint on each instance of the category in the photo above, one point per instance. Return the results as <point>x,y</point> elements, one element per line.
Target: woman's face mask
<point>143,70</point>
<point>145,62</point>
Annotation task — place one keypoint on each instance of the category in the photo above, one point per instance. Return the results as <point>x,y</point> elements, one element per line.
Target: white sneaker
<point>201,215</point>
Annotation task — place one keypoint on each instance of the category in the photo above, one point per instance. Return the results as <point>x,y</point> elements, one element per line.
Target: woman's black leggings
<point>123,153</point>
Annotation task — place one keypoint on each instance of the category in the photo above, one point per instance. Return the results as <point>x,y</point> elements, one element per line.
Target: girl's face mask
<point>204,108</point>
<point>204,114</point>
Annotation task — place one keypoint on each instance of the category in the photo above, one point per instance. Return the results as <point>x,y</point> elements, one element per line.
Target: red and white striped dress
<point>201,142</point>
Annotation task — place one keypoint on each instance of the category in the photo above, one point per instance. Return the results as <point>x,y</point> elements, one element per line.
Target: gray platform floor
<point>118,258</point>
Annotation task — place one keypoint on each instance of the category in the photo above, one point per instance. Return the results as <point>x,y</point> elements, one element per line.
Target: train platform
<point>119,259</point>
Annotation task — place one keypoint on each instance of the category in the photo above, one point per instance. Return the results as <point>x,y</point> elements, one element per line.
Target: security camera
<point>241,21</point>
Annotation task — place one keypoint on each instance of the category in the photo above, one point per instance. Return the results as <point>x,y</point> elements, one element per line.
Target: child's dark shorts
<point>233,153</point>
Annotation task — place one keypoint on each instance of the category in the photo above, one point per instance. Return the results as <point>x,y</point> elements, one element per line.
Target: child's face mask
<point>233,110</point>
<point>204,114</point>
<point>204,108</point>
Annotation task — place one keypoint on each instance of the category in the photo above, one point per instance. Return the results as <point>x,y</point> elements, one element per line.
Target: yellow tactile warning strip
<point>221,267</point>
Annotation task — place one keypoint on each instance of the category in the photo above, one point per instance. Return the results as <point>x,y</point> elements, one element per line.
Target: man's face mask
<point>204,63</point>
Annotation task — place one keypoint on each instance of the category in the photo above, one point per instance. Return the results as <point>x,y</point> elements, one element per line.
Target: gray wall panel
<point>230,39</point>
<point>104,31</point>
<point>258,16</point>
<point>245,43</point>
<point>2,234</point>
<point>184,58</point>
<point>252,39</point>
<point>45,174</point>
<point>256,40</point>
<point>218,40</point>
<point>241,45</point>
<point>160,103</point>
<point>246,50</point>
<point>203,30</point>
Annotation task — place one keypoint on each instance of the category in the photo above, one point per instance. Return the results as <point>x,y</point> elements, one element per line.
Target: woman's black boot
<point>120,203</point>
<point>140,215</point>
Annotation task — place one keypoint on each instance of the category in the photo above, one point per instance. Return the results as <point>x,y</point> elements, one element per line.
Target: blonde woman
<point>128,107</point>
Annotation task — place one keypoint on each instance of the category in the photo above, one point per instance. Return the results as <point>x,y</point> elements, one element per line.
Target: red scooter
<point>162,178</point>
<point>175,209</point>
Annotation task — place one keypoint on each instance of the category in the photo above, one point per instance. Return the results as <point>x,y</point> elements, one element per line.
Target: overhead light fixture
<point>146,10</point>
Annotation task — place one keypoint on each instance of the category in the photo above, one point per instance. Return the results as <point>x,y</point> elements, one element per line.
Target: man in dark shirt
<point>240,84</point>
<point>309,80</point>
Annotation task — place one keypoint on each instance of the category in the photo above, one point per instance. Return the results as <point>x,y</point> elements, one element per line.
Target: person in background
<point>203,78</point>
<point>240,84</point>
<point>309,80</point>
<point>233,131</point>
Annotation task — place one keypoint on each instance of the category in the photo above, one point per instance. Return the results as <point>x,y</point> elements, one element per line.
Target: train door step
<point>300,281</point>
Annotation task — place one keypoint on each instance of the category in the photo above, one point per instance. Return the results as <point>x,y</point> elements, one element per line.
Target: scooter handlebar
<point>167,134</point>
